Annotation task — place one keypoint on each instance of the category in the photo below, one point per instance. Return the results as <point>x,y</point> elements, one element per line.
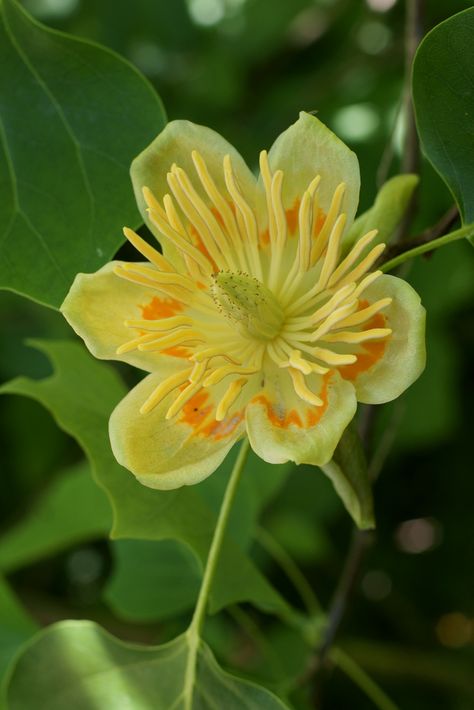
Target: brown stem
<point>428,235</point>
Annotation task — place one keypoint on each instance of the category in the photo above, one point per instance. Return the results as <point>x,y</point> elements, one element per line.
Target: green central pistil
<point>249,304</point>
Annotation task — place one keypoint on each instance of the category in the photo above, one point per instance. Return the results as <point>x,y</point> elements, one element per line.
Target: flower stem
<point>193,634</point>
<point>217,540</point>
<point>461,233</point>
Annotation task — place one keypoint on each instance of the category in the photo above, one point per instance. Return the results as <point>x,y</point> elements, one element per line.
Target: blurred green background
<point>246,68</point>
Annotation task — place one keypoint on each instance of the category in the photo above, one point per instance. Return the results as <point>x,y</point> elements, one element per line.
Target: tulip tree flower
<point>258,316</point>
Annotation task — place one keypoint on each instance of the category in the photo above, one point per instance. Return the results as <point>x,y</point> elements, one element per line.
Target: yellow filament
<point>331,358</point>
<point>320,243</point>
<point>364,265</point>
<point>366,282</point>
<point>299,363</point>
<point>230,396</point>
<point>221,205</point>
<point>176,337</point>
<point>218,375</point>
<point>333,319</point>
<point>210,222</point>
<point>133,344</point>
<point>332,253</point>
<point>171,291</point>
<point>267,182</point>
<point>249,222</point>
<point>280,223</point>
<point>161,277</point>
<point>161,324</point>
<point>163,389</point>
<point>182,398</point>
<point>198,371</point>
<point>215,351</point>
<point>179,241</point>
<point>346,336</point>
<point>192,214</point>
<point>302,390</point>
<point>352,257</point>
<point>361,316</point>
<point>153,256</point>
<point>175,222</point>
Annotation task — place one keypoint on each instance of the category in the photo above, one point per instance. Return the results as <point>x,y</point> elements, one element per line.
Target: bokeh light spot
<point>455,630</point>
<point>418,535</point>
<point>357,122</point>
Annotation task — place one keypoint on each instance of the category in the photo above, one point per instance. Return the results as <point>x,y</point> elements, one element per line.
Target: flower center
<point>248,304</point>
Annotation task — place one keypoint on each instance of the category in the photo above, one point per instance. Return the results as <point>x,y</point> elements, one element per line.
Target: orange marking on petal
<point>161,308</point>
<point>177,351</point>
<point>292,216</point>
<point>371,352</point>
<point>218,216</point>
<point>197,241</point>
<point>265,238</point>
<point>194,412</point>
<point>220,430</point>
<point>277,416</point>
<point>318,222</point>
<point>314,414</point>
<point>281,419</point>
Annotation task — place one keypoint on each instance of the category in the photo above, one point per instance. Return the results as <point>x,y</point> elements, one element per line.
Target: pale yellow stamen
<point>222,207</point>
<point>229,398</point>
<point>176,337</point>
<point>267,182</point>
<point>189,208</point>
<point>364,314</point>
<point>328,225</point>
<point>364,265</point>
<point>173,218</point>
<point>302,390</point>
<point>163,389</point>
<point>250,230</point>
<point>153,256</point>
<point>221,372</point>
<point>158,325</point>
<point>359,337</point>
<point>133,344</point>
<point>352,257</point>
<point>183,397</point>
<point>168,290</point>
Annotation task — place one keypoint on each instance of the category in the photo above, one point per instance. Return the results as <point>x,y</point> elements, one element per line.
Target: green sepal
<point>386,213</point>
<point>349,475</point>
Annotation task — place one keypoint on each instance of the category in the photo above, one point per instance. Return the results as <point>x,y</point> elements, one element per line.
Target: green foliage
<point>443,77</point>
<point>79,666</point>
<point>75,116</point>
<point>152,580</point>
<point>72,510</point>
<point>16,626</point>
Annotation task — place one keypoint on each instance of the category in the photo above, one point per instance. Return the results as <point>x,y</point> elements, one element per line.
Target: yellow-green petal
<point>174,145</point>
<point>308,148</point>
<point>97,307</point>
<point>282,427</point>
<point>403,357</point>
<point>169,453</point>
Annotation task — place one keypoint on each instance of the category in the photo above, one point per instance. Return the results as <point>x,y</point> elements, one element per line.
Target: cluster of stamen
<point>242,311</point>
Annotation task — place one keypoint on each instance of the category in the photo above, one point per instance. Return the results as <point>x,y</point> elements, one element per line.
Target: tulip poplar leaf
<point>73,114</point>
<point>78,665</point>
<point>443,94</point>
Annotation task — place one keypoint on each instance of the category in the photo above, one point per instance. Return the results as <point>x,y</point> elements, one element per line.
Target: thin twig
<point>428,235</point>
